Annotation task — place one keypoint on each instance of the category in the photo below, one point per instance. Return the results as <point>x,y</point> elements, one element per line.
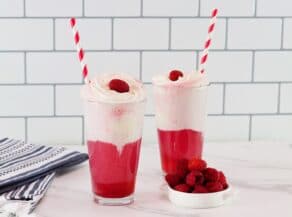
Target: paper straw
<point>208,41</point>
<point>79,49</point>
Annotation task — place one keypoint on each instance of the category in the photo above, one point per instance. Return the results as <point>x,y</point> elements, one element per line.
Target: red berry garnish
<point>200,189</point>
<point>214,186</point>
<point>175,74</point>
<point>211,174</point>
<point>195,177</point>
<point>182,188</point>
<point>199,177</point>
<point>222,180</point>
<point>119,85</point>
<point>191,179</point>
<point>197,164</point>
<point>172,180</point>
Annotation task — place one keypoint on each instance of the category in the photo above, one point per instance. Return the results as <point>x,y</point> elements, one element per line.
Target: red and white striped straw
<point>79,49</point>
<point>208,41</point>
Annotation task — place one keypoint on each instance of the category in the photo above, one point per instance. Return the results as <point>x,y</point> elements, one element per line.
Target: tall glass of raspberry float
<point>180,111</point>
<point>113,134</point>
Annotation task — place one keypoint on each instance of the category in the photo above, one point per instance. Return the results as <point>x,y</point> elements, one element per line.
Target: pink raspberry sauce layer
<point>113,171</point>
<point>177,146</point>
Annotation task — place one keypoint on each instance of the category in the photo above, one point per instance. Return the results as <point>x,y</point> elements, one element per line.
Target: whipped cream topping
<point>188,79</point>
<point>98,89</point>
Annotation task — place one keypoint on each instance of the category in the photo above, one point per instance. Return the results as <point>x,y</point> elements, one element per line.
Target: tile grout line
<point>250,128</point>
<point>279,98</point>
<point>25,129</point>
<point>24,8</point>
<point>282,34</point>
<point>83,8</point>
<point>226,33</point>
<point>199,8</point>
<point>141,8</point>
<point>55,101</point>
<point>54,34</point>
<point>25,67</point>
<point>255,8</point>
<point>252,66</point>
<point>224,98</point>
<point>112,34</point>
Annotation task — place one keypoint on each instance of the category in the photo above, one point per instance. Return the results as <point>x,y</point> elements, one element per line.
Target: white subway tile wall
<point>253,34</point>
<point>11,8</point>
<point>96,34</point>
<point>249,64</point>
<point>12,68</point>
<point>57,8</point>
<point>26,34</point>
<point>244,8</point>
<point>141,34</point>
<point>55,130</point>
<point>273,66</point>
<point>287,34</point>
<point>13,127</point>
<point>170,8</point>
<point>190,33</point>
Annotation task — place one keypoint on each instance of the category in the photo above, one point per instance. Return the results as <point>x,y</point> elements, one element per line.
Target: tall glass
<point>180,117</point>
<point>113,132</point>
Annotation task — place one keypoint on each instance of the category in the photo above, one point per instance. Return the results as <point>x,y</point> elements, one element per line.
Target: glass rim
<point>180,86</point>
<point>117,103</point>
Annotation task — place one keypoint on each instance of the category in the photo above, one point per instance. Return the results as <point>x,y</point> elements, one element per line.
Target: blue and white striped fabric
<point>26,170</point>
<point>31,190</point>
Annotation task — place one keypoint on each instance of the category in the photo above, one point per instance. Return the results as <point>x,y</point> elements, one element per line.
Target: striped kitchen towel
<point>26,170</point>
<point>22,200</point>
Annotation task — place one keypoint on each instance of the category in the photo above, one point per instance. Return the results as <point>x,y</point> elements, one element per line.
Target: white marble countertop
<point>260,173</point>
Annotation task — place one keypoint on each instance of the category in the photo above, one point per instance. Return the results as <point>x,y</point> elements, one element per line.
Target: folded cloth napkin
<point>22,200</point>
<point>26,171</point>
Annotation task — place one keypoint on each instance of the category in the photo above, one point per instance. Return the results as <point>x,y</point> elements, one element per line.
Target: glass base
<point>114,201</point>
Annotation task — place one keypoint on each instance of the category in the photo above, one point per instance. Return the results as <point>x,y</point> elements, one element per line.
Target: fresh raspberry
<point>222,180</point>
<point>175,74</point>
<point>194,178</point>
<point>200,189</point>
<point>199,177</point>
<point>197,164</point>
<point>172,180</point>
<point>191,179</point>
<point>182,168</point>
<point>182,188</point>
<point>119,85</point>
<point>214,186</point>
<point>211,174</point>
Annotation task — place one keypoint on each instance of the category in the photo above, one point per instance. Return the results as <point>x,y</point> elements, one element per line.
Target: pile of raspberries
<point>196,177</point>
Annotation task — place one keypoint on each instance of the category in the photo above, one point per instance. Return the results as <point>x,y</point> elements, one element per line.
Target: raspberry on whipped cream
<point>174,75</point>
<point>184,95</point>
<point>119,85</point>
<point>98,89</point>
<point>120,111</point>
<point>181,79</point>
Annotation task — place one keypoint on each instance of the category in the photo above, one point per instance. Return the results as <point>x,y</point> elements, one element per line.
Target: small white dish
<point>199,201</point>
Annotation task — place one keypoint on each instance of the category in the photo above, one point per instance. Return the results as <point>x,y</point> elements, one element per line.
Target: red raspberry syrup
<point>176,146</point>
<point>113,172</point>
